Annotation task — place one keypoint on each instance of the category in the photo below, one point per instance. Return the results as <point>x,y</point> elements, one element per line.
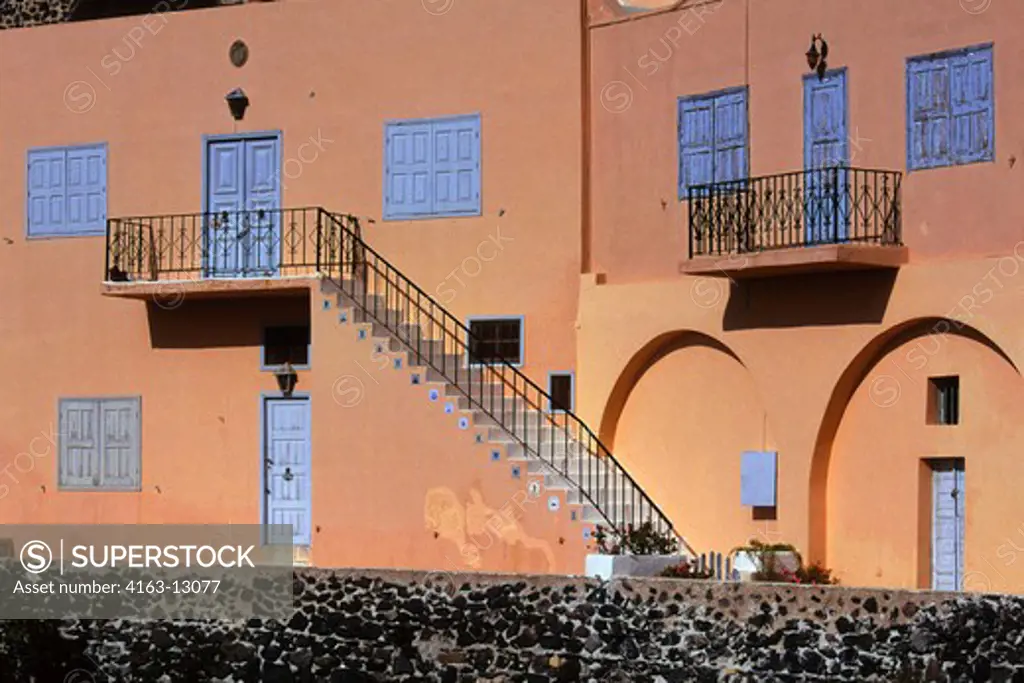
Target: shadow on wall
<point>644,359</point>
<point>809,300</point>
<point>220,323</point>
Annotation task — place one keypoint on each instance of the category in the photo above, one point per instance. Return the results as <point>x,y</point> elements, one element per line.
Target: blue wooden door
<point>286,477</point>
<point>262,229</point>
<point>826,154</point>
<point>947,526</point>
<point>242,227</point>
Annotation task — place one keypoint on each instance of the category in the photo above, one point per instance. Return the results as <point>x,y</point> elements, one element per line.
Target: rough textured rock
<point>398,626</point>
<point>21,13</point>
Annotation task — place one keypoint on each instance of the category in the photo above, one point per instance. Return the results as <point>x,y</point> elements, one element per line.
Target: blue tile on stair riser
<point>415,379</point>
<point>343,317</point>
<point>434,395</point>
<point>554,503</point>
<point>449,408</point>
<point>327,304</point>
<point>495,455</point>
<point>586,534</point>
<point>398,364</point>
<point>572,515</point>
<point>479,437</point>
<point>362,335</point>
<point>463,423</point>
<point>515,472</point>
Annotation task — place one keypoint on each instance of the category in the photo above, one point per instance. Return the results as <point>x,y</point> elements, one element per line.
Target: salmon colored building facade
<point>777,288</point>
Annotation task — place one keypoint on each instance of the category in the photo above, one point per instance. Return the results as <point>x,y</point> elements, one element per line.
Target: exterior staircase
<point>497,399</point>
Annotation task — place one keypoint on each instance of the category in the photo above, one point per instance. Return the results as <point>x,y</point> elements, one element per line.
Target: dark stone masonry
<point>23,13</point>
<point>404,626</point>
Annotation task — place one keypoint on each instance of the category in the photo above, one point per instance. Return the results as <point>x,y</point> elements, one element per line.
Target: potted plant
<point>635,551</point>
<point>759,561</point>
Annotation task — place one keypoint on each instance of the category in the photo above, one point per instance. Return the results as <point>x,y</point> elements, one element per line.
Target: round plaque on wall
<point>239,53</point>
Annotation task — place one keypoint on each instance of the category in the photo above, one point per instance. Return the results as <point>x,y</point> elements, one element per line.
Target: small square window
<point>286,344</point>
<point>561,391</point>
<point>944,400</point>
<point>495,340</point>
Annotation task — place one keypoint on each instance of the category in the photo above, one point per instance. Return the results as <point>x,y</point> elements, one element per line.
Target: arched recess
<point>641,362</point>
<point>851,379</point>
<point>680,414</point>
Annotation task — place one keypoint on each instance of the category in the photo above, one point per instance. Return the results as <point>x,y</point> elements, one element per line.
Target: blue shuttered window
<point>100,444</point>
<point>67,191</point>
<point>432,168</point>
<point>950,109</point>
<point>712,138</point>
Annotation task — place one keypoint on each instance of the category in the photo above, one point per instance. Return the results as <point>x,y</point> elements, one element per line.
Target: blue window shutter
<point>79,443</point>
<point>86,203</point>
<point>456,166</point>
<point>696,142</point>
<point>928,113</point>
<point>119,438</point>
<point>730,121</point>
<point>46,191</point>
<point>407,170</point>
<point>971,104</point>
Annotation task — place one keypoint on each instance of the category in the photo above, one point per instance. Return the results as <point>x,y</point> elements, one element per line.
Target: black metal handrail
<point>251,243</point>
<point>831,205</point>
<point>502,393</point>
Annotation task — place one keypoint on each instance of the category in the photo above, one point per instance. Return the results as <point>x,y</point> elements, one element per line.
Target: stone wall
<point>21,13</point>
<point>395,626</point>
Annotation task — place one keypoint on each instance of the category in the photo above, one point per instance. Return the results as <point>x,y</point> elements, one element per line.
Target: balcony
<point>836,218</point>
<point>225,253</point>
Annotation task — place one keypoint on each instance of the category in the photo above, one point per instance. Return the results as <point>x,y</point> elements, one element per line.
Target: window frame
<point>943,394</point>
<point>495,318</point>
<point>99,488</point>
<point>265,367</point>
<point>97,232</point>
<point>684,185</point>
<point>572,391</point>
<point>909,105</point>
<point>387,214</point>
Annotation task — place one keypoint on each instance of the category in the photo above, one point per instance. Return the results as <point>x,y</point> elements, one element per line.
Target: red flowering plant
<point>687,569</point>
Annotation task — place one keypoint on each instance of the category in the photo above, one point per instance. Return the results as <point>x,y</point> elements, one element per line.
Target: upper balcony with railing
<point>819,219</point>
<point>220,253</point>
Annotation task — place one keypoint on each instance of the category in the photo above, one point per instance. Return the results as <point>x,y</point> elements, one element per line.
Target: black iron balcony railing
<point>834,205</point>
<point>223,244</point>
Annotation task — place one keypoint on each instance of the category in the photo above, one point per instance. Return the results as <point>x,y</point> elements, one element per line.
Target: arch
<point>642,361</point>
<point>849,381</point>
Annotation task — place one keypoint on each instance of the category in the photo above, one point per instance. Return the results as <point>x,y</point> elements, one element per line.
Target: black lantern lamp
<point>812,54</point>
<point>238,102</point>
<point>817,59</point>
<point>287,378</point>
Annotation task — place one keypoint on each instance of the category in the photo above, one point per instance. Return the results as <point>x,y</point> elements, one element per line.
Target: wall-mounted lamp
<point>817,57</point>
<point>238,102</point>
<point>287,378</point>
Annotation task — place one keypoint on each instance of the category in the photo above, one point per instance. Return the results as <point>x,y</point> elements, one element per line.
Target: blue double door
<point>242,230</point>
<point>826,157</point>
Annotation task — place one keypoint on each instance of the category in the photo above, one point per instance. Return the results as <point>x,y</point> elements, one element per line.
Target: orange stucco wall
<point>399,483</point>
<point>678,374</point>
<point>327,75</point>
<point>683,373</point>
<point>642,66</point>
